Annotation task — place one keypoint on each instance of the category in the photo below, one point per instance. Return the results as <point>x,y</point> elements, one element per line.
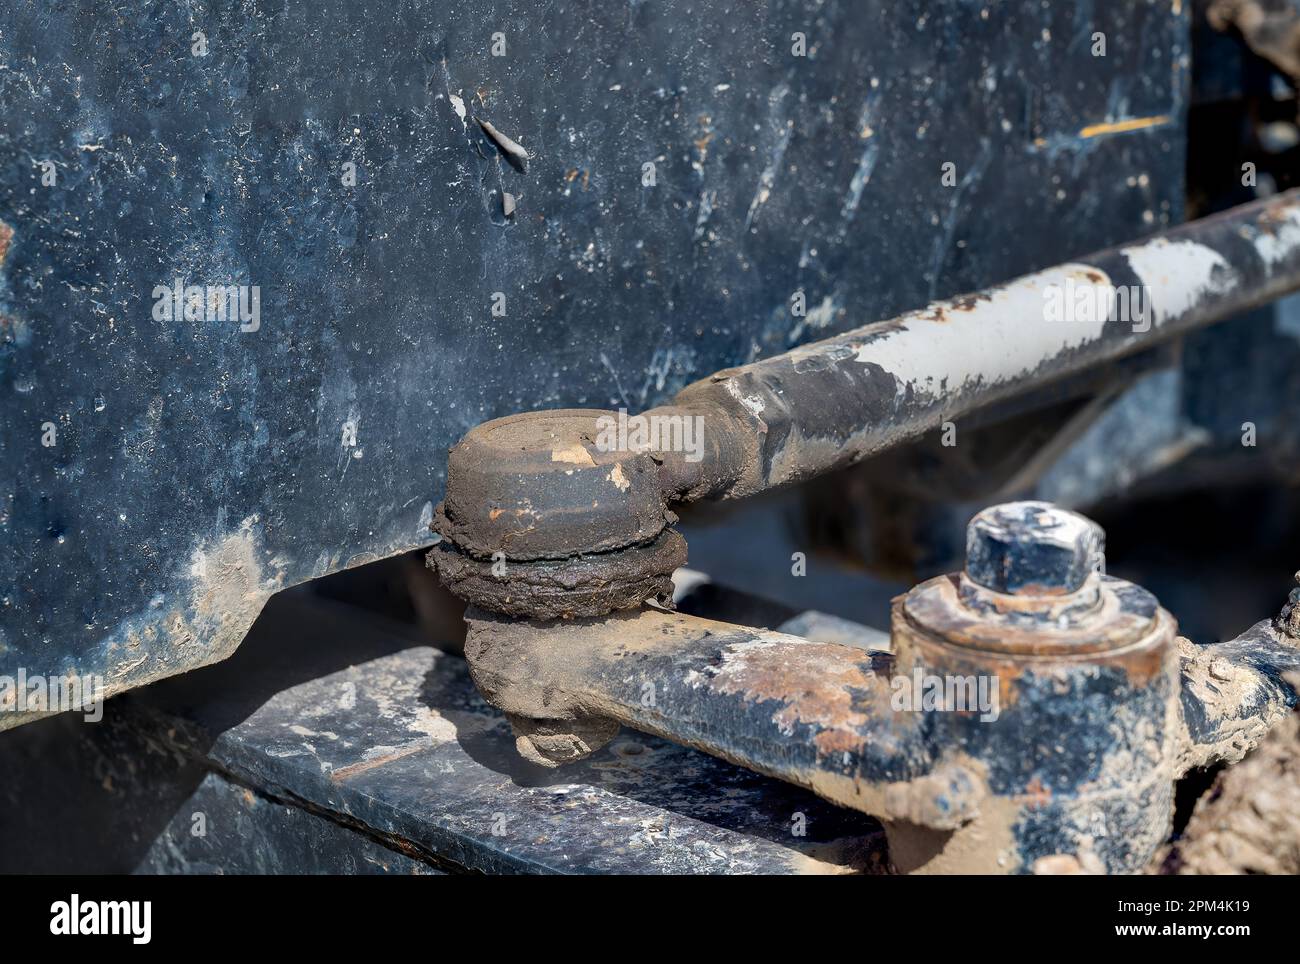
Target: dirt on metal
<point>587,585</point>
<point>1249,821</point>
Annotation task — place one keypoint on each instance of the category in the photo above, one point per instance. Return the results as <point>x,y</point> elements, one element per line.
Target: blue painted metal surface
<point>160,479</point>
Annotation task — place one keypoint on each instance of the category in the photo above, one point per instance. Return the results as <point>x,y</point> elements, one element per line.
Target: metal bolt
<point>1033,548</point>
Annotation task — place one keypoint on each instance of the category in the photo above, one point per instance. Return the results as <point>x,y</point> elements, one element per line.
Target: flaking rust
<point>1081,661</point>
<point>1097,710</point>
<point>1097,716</point>
<point>813,714</point>
<point>812,684</point>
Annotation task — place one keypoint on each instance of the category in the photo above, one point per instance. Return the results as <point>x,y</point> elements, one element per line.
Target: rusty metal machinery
<point>586,527</point>
<point>1076,709</point>
<point>563,545</point>
<point>443,242</point>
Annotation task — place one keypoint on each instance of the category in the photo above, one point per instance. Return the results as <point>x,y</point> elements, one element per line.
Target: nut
<point>1033,548</point>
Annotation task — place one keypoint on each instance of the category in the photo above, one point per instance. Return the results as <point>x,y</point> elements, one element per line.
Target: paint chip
<point>575,454</point>
<point>514,152</point>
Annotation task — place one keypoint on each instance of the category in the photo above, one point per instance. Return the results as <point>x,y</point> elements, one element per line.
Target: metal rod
<point>813,714</point>
<point>829,404</point>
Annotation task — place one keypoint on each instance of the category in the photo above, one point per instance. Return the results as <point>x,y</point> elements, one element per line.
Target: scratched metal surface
<point>197,469</point>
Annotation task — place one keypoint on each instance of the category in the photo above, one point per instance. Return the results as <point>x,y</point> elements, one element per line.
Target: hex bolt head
<point>1033,548</point>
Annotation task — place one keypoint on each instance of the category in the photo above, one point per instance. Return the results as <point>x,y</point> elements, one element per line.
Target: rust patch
<point>347,772</point>
<point>812,682</point>
<point>935,313</point>
<point>1124,126</point>
<point>6,237</point>
<point>1109,630</point>
<point>706,135</point>
<point>1275,216</point>
<point>968,302</point>
<point>498,512</point>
